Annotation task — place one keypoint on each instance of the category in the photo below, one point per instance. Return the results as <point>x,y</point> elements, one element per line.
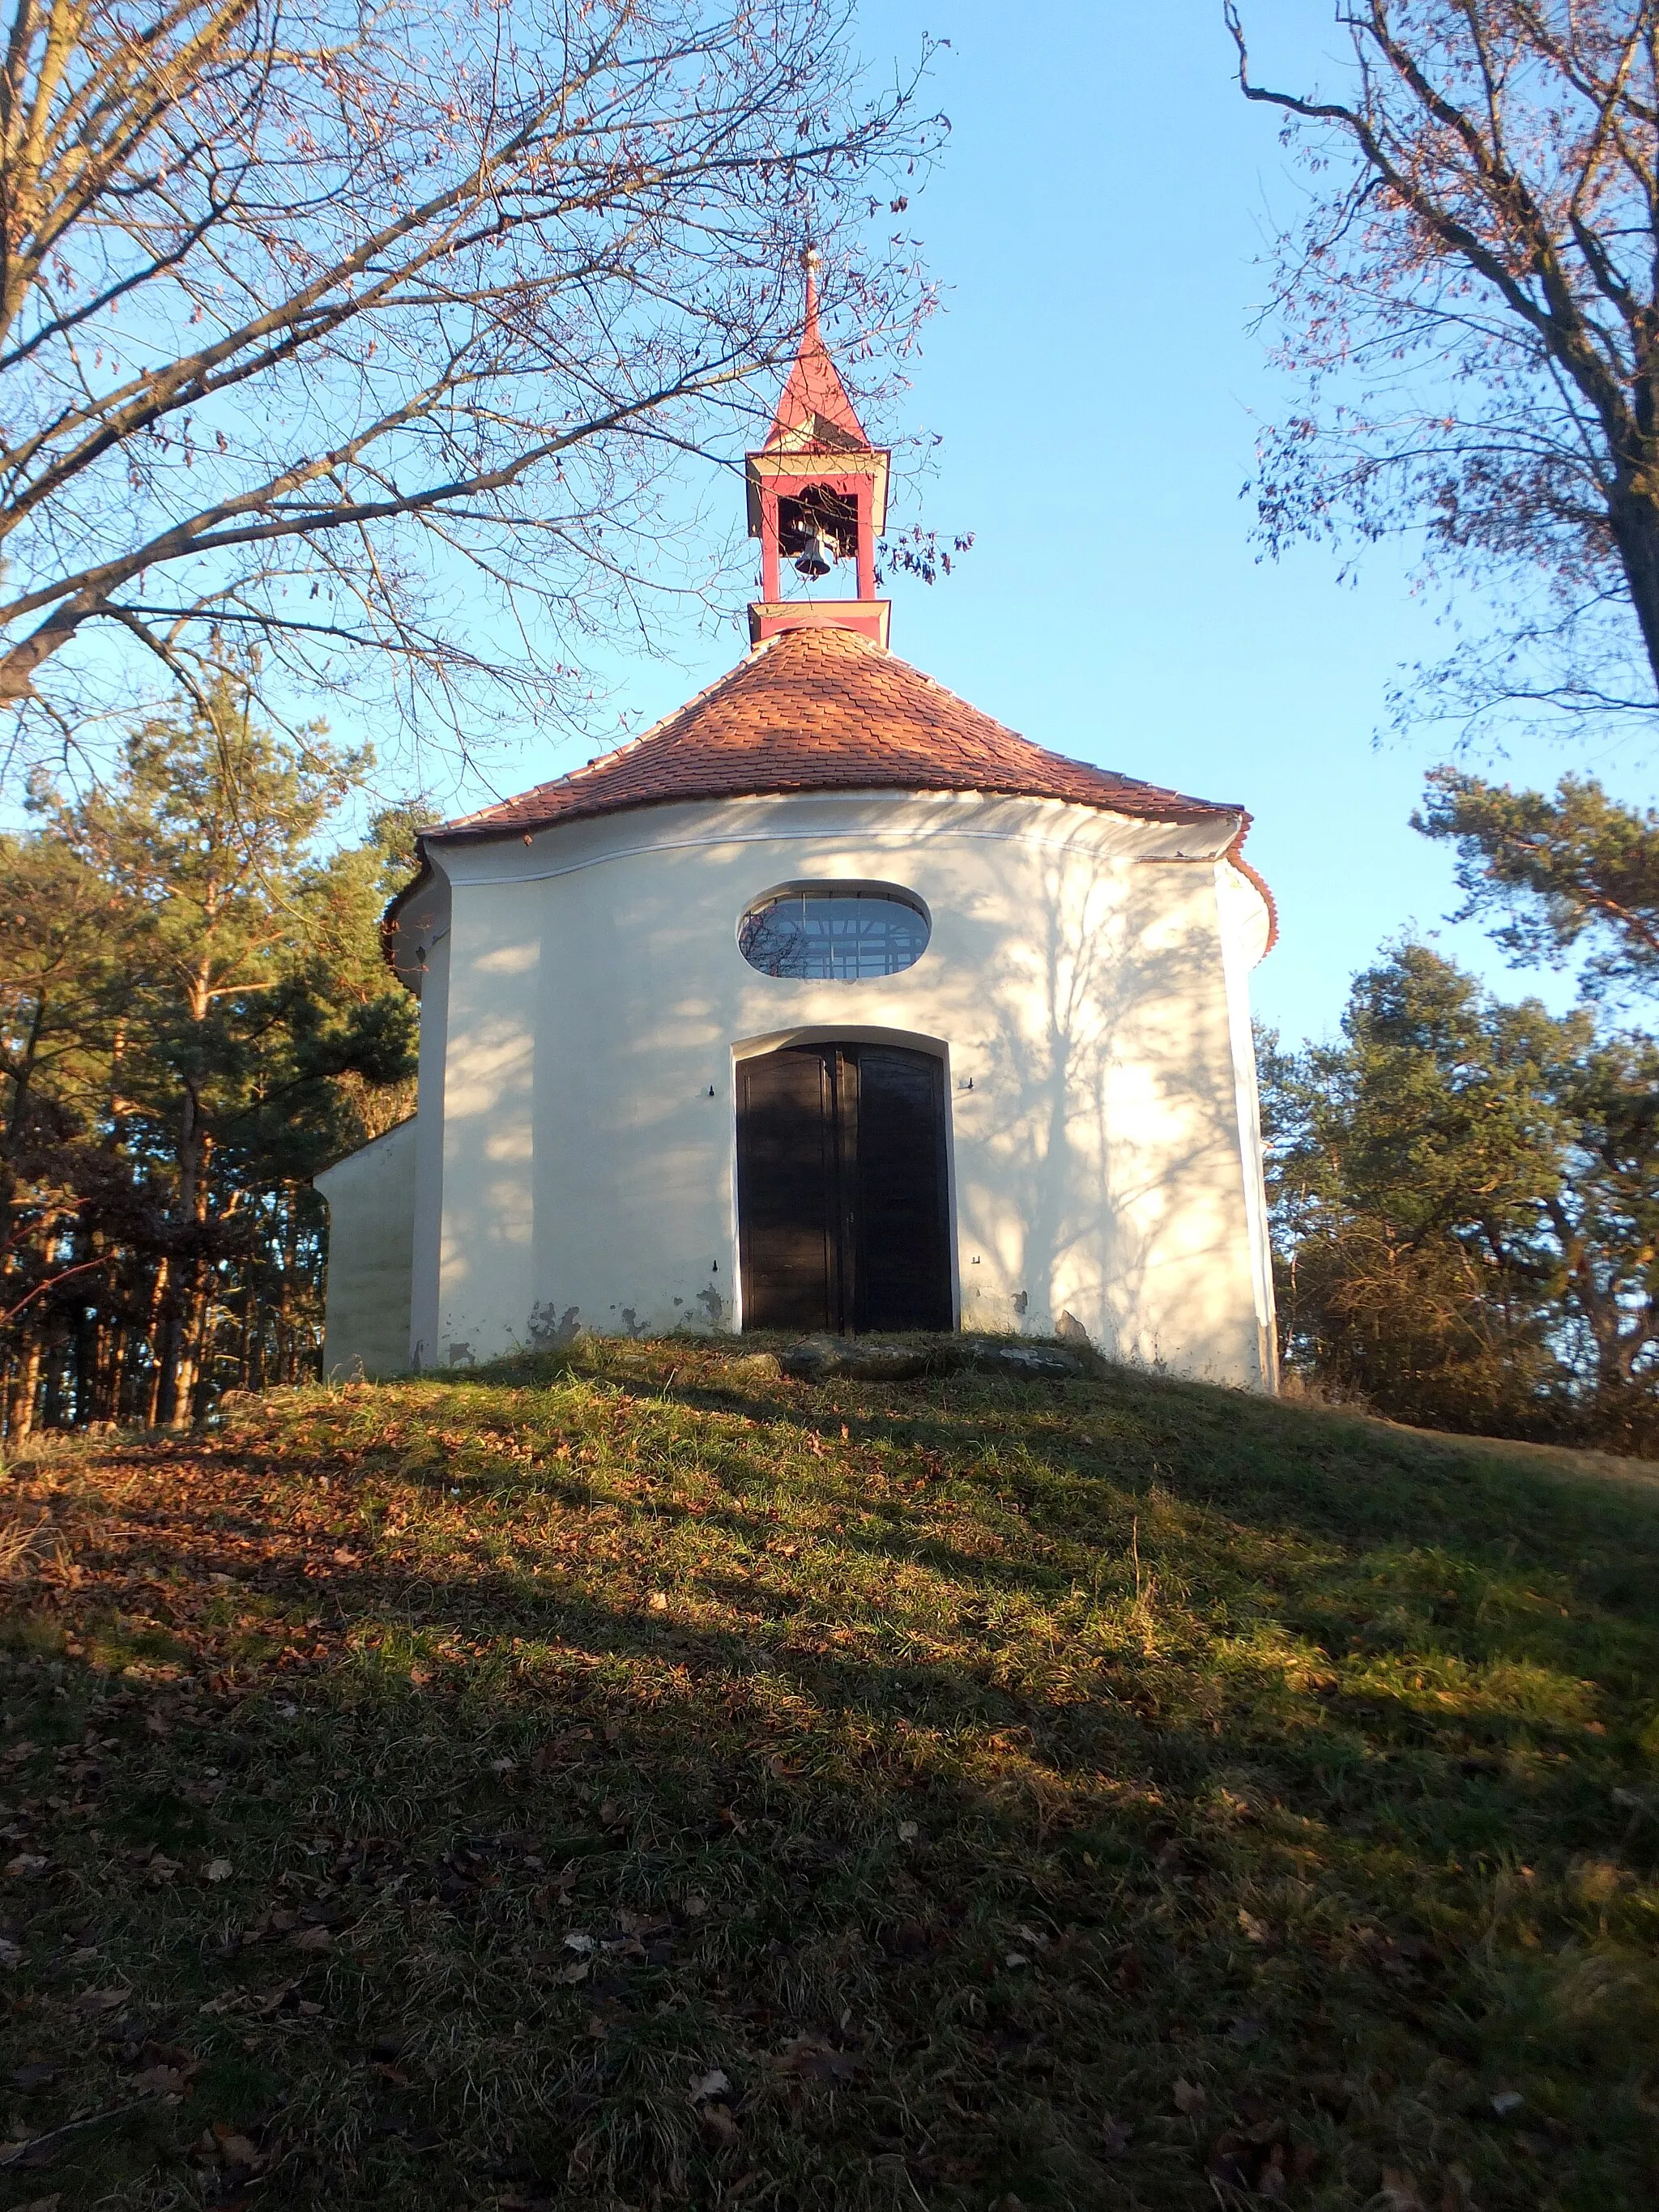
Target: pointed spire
<point>815,410</point>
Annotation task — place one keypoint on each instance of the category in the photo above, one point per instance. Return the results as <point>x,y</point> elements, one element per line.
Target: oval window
<point>833,932</point>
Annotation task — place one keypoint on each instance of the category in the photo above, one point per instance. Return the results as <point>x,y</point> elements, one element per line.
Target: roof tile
<point>823,709</point>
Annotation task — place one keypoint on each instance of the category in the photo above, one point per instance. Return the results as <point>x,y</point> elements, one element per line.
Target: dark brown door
<point>842,1207</point>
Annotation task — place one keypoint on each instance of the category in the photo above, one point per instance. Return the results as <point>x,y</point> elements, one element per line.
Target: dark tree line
<point>193,1019</point>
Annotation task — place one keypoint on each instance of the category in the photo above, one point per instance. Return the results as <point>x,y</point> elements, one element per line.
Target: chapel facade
<point>829,1004</point>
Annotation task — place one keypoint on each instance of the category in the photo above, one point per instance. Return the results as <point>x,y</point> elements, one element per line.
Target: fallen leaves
<point>809,2058</point>
<point>219,1870</point>
<point>103,2000</point>
<point>1399,2191</point>
<point>239,2156</point>
<point>1261,2160</point>
<point>1188,2097</point>
<point>161,2081</point>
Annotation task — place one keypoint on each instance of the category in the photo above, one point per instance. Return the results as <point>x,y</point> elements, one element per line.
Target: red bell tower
<point>818,496</point>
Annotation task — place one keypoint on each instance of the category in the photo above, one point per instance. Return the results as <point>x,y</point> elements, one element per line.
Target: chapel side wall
<point>1181,1290</point>
<point>599,999</point>
<point>1245,928</point>
<point>371,1236</point>
<point>486,1238</point>
<point>427,1228</point>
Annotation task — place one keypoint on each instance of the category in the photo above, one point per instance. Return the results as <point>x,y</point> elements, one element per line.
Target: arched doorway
<point>843,1206</point>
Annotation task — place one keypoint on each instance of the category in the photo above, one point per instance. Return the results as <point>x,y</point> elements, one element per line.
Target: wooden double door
<point>843,1204</point>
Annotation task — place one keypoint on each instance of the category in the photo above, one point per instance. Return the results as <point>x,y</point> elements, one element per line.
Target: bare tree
<point>313,320</point>
<point>1473,300</point>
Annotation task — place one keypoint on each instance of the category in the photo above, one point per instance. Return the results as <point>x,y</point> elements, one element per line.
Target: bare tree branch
<point>1473,301</point>
<point>270,280</point>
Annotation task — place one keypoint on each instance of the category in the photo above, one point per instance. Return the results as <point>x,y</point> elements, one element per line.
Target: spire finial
<point>812,261</point>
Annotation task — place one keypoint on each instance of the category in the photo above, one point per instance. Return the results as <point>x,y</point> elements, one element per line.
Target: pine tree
<point>206,1024</point>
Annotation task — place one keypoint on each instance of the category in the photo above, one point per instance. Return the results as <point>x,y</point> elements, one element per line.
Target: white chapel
<point>827,1004</point>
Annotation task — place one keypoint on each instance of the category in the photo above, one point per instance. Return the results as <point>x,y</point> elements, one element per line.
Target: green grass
<point>651,1782</point>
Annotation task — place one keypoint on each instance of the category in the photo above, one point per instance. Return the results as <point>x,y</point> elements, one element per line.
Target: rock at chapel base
<point>755,1367</point>
<point>811,1359</point>
<point>1025,1362</point>
<point>818,1356</point>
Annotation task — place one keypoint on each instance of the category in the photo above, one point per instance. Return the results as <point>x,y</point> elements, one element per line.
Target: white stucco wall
<point>584,1002</point>
<point>371,1252</point>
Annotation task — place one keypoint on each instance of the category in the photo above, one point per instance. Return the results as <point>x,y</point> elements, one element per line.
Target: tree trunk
<point>115,1374</point>
<point>178,1375</point>
<point>194,1402</point>
<point>51,1413</point>
<point>1634,515</point>
<point>156,1331</point>
<point>20,1398</point>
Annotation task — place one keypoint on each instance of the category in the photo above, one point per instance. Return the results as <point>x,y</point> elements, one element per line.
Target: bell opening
<point>819,520</point>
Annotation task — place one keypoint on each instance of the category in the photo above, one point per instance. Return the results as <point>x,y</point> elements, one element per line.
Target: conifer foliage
<point>1466,1204</point>
<point>193,1020</point>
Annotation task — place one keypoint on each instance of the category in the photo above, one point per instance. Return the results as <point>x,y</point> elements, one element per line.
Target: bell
<point>814,559</point>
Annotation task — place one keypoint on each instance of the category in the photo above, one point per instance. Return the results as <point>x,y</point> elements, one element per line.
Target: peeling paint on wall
<point>550,1331</point>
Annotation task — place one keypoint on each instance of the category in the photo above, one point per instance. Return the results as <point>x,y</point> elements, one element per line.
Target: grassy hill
<point>653,1782</point>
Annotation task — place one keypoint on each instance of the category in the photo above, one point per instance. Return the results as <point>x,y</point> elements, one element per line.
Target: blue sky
<point>1097,222</point>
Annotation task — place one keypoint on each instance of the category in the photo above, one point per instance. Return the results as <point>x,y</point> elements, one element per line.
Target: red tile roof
<point>823,709</point>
